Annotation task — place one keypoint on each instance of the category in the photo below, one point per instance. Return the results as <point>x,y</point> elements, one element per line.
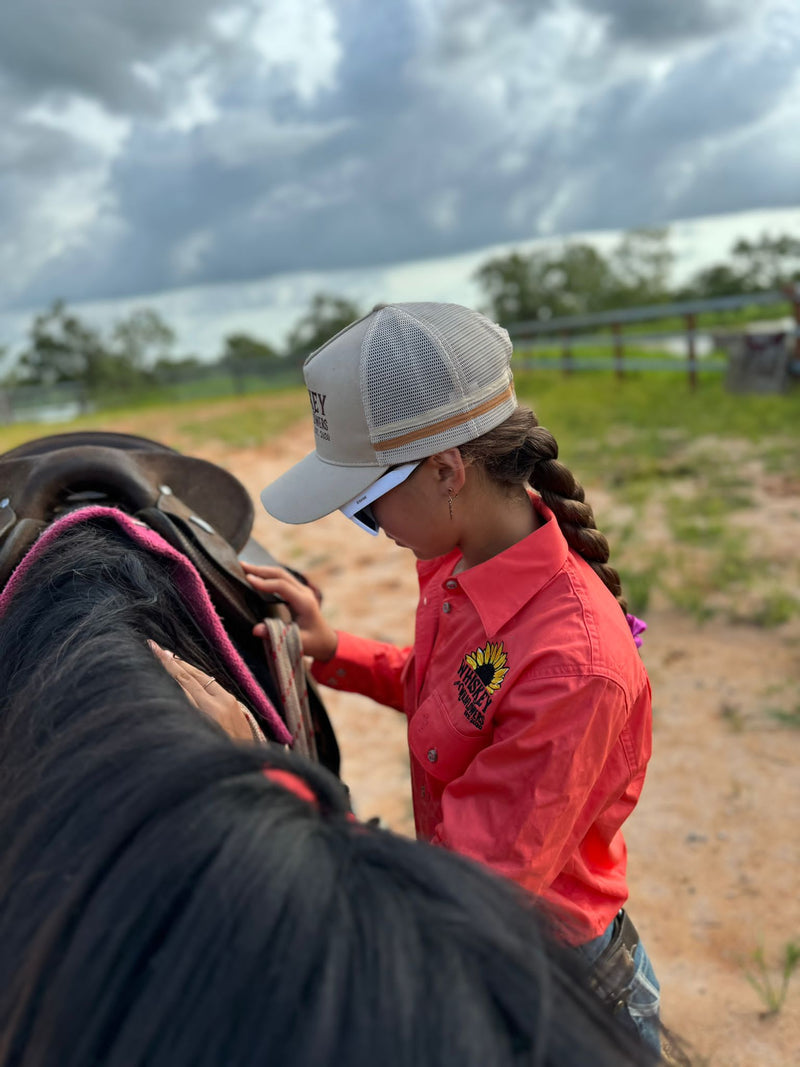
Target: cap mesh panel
<point>426,363</point>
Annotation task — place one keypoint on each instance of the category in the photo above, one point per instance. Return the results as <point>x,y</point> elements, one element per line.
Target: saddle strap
<point>284,652</point>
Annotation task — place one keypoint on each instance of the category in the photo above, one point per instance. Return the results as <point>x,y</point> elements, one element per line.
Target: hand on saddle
<point>210,697</point>
<point>318,637</point>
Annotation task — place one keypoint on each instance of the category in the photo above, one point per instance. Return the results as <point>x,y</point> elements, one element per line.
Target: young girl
<point>529,711</point>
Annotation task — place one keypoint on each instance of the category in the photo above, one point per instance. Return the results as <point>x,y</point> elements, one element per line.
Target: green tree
<point>582,281</point>
<point>142,339</point>
<point>241,348</point>
<point>326,315</point>
<point>642,263</point>
<point>720,279</point>
<point>754,266</point>
<point>768,262</point>
<point>578,279</point>
<point>515,287</point>
<point>175,369</point>
<point>63,349</point>
<point>546,284</point>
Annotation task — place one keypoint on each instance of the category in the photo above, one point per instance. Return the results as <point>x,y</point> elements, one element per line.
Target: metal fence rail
<point>64,401</point>
<point>552,344</point>
<point>605,329</point>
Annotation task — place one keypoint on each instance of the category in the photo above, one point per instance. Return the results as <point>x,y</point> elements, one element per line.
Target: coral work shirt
<point>529,719</point>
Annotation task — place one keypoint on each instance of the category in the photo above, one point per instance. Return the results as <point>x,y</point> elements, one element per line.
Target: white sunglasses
<point>358,509</point>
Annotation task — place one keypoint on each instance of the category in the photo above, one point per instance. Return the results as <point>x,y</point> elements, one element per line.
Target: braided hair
<point>519,451</point>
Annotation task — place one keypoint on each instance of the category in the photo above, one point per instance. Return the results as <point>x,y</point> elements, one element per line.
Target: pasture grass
<point>671,468</point>
<point>256,421</point>
<point>645,418</point>
<point>786,716</point>
<point>251,420</point>
<point>681,460</point>
<point>772,989</point>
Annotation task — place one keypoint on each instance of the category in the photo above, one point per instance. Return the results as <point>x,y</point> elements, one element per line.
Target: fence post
<point>619,352</point>
<point>794,296</point>
<point>566,352</point>
<point>691,349</point>
<point>237,374</point>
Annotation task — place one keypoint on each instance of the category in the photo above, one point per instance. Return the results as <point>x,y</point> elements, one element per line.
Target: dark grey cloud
<point>442,127</point>
<point>649,21</point>
<point>683,146</point>
<point>645,23</point>
<point>92,47</point>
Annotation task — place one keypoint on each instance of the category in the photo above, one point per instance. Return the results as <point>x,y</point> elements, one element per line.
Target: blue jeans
<point>641,1012</point>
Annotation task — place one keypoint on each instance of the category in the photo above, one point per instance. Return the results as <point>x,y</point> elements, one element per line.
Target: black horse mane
<point>163,903</point>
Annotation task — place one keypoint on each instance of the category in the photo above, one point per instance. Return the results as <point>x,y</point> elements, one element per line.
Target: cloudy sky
<point>215,147</point>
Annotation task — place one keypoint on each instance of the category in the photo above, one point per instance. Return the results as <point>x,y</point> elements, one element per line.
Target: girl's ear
<point>449,469</point>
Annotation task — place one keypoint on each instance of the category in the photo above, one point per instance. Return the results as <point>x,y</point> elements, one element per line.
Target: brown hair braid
<point>520,451</point>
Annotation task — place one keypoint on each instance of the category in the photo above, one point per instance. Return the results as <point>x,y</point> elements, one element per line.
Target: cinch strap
<point>284,649</point>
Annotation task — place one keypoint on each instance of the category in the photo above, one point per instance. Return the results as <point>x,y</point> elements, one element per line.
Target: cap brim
<point>313,488</point>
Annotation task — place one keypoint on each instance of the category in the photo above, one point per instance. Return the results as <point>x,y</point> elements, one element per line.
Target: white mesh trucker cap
<point>403,382</point>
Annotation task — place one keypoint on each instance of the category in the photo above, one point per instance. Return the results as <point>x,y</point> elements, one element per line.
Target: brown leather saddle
<point>200,509</point>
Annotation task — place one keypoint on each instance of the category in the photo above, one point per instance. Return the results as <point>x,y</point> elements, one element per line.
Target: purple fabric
<point>638,626</point>
<point>187,581</point>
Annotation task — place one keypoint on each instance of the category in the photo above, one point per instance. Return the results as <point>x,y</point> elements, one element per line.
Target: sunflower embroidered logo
<point>489,664</point>
<point>480,676</point>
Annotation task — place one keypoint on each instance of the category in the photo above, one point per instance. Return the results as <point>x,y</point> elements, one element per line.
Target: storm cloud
<point>163,144</point>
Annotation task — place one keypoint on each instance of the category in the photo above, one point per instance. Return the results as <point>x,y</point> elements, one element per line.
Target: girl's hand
<point>209,697</point>
<point>318,638</point>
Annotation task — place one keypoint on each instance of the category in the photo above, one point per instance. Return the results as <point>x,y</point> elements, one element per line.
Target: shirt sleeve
<point>372,668</point>
<point>528,799</point>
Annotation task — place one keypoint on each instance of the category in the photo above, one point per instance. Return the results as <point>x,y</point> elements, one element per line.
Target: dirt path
<point>713,844</point>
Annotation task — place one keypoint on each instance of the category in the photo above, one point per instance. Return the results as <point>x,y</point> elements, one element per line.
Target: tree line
<point>141,349</point>
<point>570,279</point>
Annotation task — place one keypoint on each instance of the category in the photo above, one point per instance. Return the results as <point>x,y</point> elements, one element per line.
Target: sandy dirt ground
<point>714,845</point>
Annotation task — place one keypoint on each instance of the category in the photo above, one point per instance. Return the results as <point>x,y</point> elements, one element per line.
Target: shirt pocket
<point>438,745</point>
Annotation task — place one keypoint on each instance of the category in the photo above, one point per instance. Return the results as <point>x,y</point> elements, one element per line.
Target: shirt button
<point>451,584</point>
<point>433,755</point>
<point>446,607</point>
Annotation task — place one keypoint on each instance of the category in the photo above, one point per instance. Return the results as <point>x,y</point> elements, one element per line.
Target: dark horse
<point>169,897</point>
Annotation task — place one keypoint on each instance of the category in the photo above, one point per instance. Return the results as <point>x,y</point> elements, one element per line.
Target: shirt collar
<point>518,573</point>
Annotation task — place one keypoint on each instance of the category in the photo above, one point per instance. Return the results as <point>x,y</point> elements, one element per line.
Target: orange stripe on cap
<point>445,424</point>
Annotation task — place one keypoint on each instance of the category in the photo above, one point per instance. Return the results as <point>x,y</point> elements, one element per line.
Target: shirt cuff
<point>333,672</point>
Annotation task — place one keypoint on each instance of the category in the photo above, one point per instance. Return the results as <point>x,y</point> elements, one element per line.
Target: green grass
<point>774,608</point>
<point>652,404</point>
<point>638,585</point>
<point>771,991</point>
<point>786,716</point>
<point>240,422</point>
<point>653,442</point>
<point>255,423</point>
<point>665,458</point>
<point>700,518</point>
